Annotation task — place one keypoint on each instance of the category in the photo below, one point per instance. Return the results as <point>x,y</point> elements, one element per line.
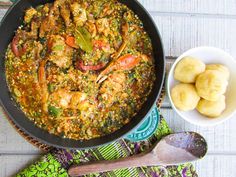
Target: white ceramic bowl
<point>208,55</point>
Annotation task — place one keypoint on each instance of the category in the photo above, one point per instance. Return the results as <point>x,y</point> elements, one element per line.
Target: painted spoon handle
<point>144,159</point>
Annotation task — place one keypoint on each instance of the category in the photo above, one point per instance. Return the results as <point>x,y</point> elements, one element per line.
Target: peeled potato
<point>211,84</point>
<point>185,97</point>
<point>212,108</point>
<point>188,69</point>
<point>221,68</point>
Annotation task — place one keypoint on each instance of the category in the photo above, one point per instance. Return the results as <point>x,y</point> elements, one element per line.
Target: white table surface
<point>183,24</point>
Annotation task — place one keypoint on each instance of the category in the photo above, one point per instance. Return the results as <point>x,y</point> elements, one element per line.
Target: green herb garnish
<point>50,88</point>
<point>58,48</point>
<point>55,112</point>
<point>17,92</point>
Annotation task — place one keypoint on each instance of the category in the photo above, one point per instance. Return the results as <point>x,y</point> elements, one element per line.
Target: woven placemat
<point>47,148</point>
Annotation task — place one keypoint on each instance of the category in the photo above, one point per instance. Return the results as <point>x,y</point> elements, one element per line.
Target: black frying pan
<point>14,18</point>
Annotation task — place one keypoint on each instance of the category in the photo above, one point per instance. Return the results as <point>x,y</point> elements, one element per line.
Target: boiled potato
<point>188,69</point>
<point>211,84</point>
<point>212,108</point>
<point>221,68</point>
<point>185,97</point>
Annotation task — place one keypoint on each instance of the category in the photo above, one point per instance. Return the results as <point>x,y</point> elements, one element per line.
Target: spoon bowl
<point>180,148</point>
<point>173,149</point>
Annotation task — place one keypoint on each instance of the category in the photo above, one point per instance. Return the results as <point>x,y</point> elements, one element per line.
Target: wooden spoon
<point>171,150</point>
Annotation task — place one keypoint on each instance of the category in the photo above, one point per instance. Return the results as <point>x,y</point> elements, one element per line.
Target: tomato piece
<point>70,41</point>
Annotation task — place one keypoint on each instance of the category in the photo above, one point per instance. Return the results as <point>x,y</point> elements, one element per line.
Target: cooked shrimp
<point>61,98</point>
<point>64,98</point>
<point>113,87</point>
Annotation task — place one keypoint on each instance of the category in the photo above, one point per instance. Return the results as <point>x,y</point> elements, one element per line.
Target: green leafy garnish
<point>83,39</point>
<point>37,114</point>
<point>55,112</point>
<point>58,48</point>
<point>50,88</point>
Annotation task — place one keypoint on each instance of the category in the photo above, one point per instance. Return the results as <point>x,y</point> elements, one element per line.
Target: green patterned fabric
<point>56,163</point>
<point>47,166</point>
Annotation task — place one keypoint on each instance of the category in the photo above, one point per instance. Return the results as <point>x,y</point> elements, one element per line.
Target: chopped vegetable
<point>70,41</point>
<point>50,88</point>
<point>17,92</point>
<point>55,112</point>
<point>58,47</point>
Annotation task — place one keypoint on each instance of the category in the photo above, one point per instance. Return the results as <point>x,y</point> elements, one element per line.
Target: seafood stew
<point>80,69</point>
